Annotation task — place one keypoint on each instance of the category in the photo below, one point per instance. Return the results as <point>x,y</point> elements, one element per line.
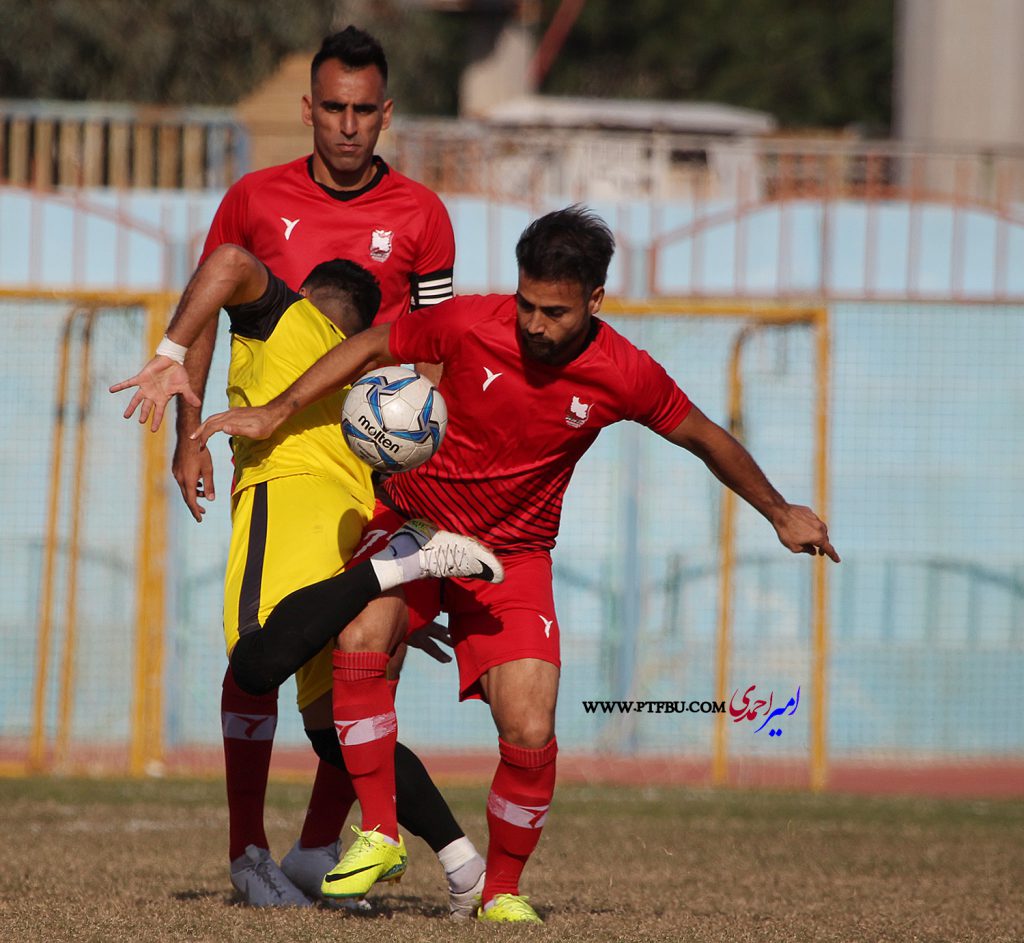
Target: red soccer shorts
<point>490,624</point>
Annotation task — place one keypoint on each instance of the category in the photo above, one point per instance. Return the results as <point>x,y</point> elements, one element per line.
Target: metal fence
<point>918,258</point>
<point>923,642</point>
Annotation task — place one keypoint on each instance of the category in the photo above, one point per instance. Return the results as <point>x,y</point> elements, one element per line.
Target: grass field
<point>145,861</point>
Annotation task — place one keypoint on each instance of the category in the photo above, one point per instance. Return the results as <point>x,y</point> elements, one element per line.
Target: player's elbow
<point>698,434</point>
<point>376,346</point>
<point>233,261</point>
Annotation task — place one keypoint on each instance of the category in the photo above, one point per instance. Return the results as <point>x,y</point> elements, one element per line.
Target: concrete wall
<point>960,71</point>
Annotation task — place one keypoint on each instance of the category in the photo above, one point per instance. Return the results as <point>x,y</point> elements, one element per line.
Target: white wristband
<point>167,348</point>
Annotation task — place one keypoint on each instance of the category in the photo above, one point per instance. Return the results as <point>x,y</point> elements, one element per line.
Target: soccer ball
<point>394,419</point>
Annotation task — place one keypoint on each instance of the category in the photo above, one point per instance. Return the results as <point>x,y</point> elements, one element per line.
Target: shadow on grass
<point>197,895</point>
<point>406,905</point>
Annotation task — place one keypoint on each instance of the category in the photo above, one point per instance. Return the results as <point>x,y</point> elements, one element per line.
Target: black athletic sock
<point>422,810</point>
<point>326,746</point>
<point>300,625</point>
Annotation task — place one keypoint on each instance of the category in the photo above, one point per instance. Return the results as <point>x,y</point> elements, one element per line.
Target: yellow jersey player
<point>299,499</point>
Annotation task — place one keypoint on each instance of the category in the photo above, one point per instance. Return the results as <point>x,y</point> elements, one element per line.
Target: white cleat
<point>418,550</point>
<point>443,554</point>
<point>306,867</point>
<point>262,883</point>
<point>463,905</point>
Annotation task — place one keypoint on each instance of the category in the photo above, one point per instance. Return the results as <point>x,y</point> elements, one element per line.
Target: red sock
<point>517,808</point>
<point>329,806</point>
<point>364,716</point>
<point>248,724</point>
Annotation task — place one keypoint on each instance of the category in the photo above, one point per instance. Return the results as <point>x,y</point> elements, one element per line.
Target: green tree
<point>824,63</point>
<point>160,51</point>
<point>426,51</point>
<point>211,51</point>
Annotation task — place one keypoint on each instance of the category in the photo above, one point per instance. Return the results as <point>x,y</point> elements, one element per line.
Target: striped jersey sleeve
<point>431,277</point>
<point>432,289</point>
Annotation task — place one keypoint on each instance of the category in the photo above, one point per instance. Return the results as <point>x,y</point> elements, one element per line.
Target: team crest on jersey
<point>380,244</point>
<point>577,413</point>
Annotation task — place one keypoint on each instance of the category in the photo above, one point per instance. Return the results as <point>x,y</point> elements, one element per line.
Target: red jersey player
<point>544,357</point>
<point>341,201</point>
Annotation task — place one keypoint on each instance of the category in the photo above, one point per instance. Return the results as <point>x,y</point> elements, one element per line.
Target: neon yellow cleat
<point>509,908</point>
<point>369,859</point>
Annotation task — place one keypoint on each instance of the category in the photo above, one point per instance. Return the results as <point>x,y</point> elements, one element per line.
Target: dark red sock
<point>329,806</point>
<point>248,724</point>
<point>364,716</point>
<point>517,808</point>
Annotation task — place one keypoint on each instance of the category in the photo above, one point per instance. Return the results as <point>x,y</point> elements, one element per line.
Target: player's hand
<point>253,422</point>
<point>802,531</point>
<point>426,640</point>
<point>192,468</point>
<point>157,382</point>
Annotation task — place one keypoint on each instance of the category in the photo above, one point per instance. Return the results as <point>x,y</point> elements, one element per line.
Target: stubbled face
<point>554,318</point>
<point>347,110</point>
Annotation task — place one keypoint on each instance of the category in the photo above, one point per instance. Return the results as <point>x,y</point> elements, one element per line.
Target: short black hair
<point>348,283</point>
<point>570,245</point>
<point>353,48</point>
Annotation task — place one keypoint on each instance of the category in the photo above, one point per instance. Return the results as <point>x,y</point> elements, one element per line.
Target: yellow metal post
<point>727,545</point>
<point>146,745</point>
<point>156,565</point>
<point>67,668</point>
<point>819,704</point>
<point>44,632</point>
<point>723,638</point>
<point>147,716</point>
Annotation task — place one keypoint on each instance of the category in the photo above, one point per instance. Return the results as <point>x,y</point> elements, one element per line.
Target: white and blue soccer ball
<point>394,419</point>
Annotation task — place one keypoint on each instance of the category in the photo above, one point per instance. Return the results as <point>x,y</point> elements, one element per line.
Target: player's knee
<point>365,636</point>
<point>532,733</point>
<point>378,628</point>
<point>326,746</point>
<point>248,666</point>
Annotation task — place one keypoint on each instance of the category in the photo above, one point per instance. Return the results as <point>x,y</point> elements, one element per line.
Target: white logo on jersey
<point>491,377</point>
<point>577,413</point>
<point>369,539</point>
<point>380,244</point>
<point>547,625</point>
<point>289,225</point>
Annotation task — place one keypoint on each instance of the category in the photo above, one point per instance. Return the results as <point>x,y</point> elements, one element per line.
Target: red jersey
<point>396,228</point>
<point>517,427</point>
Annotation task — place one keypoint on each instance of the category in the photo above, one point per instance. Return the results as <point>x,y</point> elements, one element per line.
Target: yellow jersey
<point>274,340</point>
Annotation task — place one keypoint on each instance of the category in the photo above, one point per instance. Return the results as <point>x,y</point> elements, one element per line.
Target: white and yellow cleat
<point>371,858</point>
<point>306,867</point>
<point>508,908</point>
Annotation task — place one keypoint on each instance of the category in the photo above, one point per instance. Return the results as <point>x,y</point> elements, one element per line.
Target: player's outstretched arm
<point>159,380</point>
<point>334,370</point>
<point>192,467</point>
<point>799,529</point>
<point>230,276</point>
